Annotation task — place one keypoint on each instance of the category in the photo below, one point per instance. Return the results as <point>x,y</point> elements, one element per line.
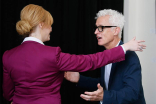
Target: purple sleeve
<point>81,63</point>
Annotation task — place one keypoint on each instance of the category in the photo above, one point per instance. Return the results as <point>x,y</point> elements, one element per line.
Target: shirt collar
<point>118,43</point>
<point>32,39</point>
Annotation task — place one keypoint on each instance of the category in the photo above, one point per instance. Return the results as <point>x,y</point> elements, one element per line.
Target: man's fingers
<point>85,97</point>
<point>95,93</point>
<point>99,86</point>
<point>89,98</point>
<point>91,93</point>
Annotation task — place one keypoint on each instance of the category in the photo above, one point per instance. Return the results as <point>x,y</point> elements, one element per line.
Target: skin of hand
<point>95,95</point>
<point>72,76</point>
<point>134,45</point>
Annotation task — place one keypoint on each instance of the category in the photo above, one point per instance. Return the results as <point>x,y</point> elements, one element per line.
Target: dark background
<point>72,31</point>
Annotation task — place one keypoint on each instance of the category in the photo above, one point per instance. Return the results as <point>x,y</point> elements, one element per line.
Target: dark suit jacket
<point>33,73</point>
<point>125,83</point>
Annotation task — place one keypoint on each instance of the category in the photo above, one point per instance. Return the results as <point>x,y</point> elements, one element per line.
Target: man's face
<point>107,35</point>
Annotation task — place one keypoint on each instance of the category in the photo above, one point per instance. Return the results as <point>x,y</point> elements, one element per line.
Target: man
<point>120,83</point>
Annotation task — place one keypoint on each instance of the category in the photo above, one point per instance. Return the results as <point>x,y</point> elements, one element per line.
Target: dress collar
<point>32,39</point>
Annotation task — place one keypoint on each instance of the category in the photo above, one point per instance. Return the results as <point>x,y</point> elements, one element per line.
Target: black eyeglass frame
<point>103,27</point>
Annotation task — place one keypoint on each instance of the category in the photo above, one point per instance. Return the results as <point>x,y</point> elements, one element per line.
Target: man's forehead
<point>103,20</point>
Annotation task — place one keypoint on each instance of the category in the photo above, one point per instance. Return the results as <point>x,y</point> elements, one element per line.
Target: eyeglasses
<point>100,28</point>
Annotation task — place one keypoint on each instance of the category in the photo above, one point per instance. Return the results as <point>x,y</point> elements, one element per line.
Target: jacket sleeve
<point>131,88</point>
<point>81,63</point>
<point>88,82</point>
<point>8,86</point>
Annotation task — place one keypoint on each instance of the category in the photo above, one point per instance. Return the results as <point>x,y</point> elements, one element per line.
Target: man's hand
<point>72,76</point>
<point>134,45</point>
<point>95,95</point>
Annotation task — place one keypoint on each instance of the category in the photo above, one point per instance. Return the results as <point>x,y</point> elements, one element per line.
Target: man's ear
<point>116,30</point>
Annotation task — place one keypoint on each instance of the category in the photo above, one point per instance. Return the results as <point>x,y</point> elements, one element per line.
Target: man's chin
<point>100,44</point>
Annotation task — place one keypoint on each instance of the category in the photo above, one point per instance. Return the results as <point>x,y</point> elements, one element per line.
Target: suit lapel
<point>102,76</point>
<point>111,74</point>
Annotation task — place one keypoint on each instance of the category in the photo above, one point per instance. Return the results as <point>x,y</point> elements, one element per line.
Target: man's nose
<point>96,31</point>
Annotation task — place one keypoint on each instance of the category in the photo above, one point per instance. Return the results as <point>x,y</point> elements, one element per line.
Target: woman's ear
<point>41,25</point>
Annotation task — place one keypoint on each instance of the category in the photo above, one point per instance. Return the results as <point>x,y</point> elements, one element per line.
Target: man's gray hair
<point>116,18</point>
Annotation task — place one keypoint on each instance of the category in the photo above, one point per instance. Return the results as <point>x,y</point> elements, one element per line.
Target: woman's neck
<point>36,35</point>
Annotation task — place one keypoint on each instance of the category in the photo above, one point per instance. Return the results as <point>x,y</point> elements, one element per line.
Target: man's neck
<point>112,44</point>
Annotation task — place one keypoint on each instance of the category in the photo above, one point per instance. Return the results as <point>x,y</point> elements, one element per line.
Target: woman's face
<point>46,30</point>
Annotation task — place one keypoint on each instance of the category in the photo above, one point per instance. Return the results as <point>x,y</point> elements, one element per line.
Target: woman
<point>33,72</point>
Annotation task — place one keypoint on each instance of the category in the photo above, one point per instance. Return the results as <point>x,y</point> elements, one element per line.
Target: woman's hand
<point>134,45</point>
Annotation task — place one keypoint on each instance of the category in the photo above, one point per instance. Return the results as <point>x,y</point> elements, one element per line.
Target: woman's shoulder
<point>51,48</point>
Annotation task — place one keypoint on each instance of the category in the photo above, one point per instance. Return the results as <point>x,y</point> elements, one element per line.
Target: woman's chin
<point>46,40</point>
